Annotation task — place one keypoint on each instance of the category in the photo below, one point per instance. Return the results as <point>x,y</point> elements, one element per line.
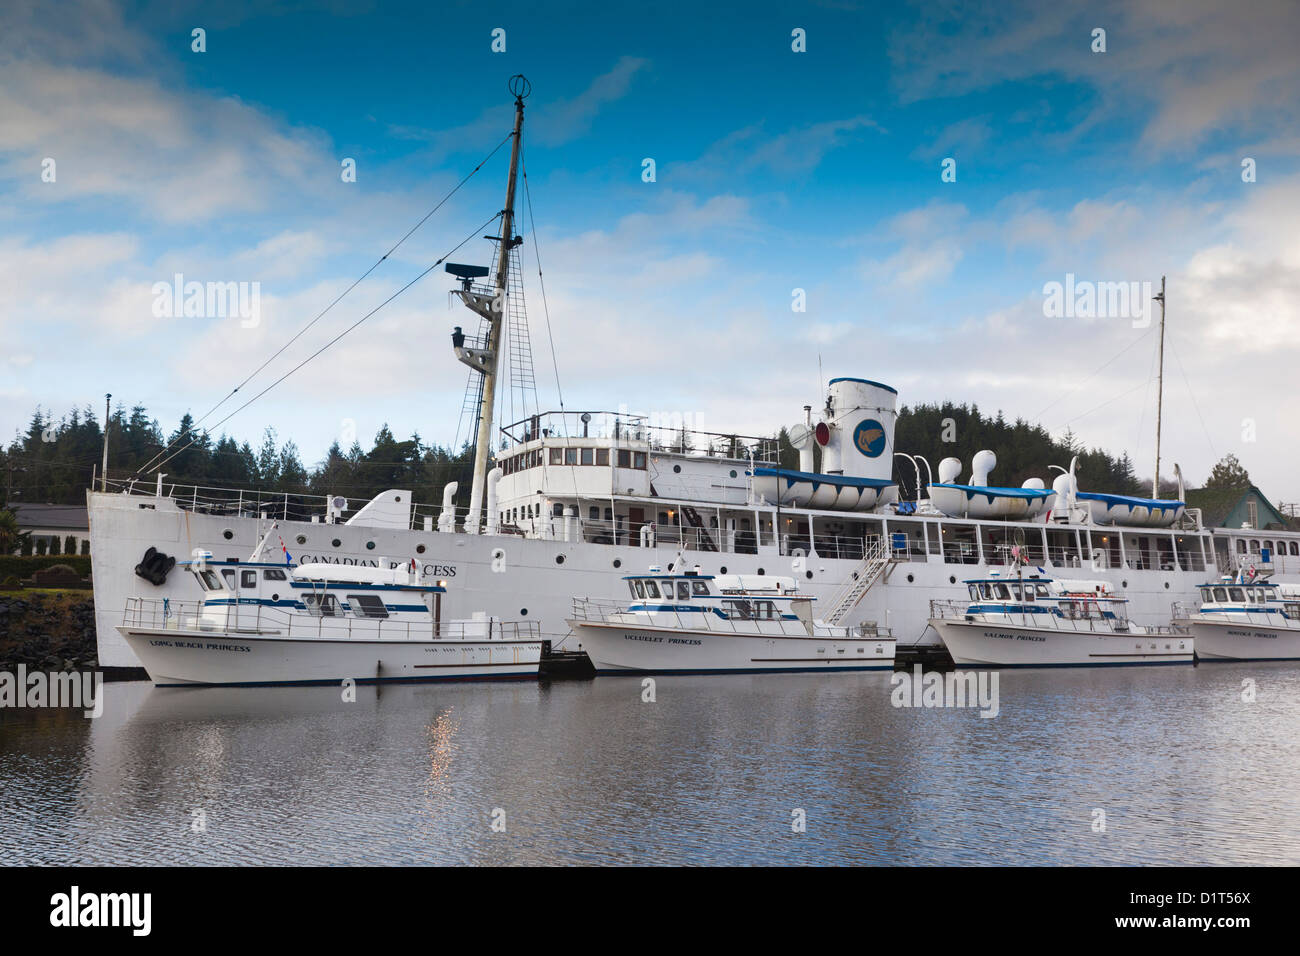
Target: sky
<point>776,170</point>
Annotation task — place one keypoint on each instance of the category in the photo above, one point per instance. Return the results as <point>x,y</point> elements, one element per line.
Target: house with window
<point>1248,526</point>
<point>49,523</point>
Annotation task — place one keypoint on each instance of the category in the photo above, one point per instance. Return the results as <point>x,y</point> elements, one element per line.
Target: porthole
<point>275,597</point>
<point>301,539</point>
<point>722,570</point>
<point>227,534</point>
<point>1166,585</point>
<point>523,612</point>
<point>677,469</point>
<point>733,473</point>
<point>618,563</point>
<point>336,542</point>
<point>1124,585</point>
<point>419,549</point>
<point>398,499</point>
<point>559,559</point>
<point>370,546</point>
<point>808,575</point>
<point>952,579</point>
<point>911,578</point>
<point>761,571</point>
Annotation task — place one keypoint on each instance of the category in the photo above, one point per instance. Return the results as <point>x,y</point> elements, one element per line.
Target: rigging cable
<point>150,464</point>
<point>546,311</point>
<point>336,338</point>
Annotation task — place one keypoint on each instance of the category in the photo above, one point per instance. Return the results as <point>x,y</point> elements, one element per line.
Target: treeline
<point>53,460</point>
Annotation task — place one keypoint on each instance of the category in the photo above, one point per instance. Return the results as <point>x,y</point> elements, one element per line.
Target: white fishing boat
<point>696,623</point>
<point>1244,618</point>
<point>279,623</point>
<point>1020,620</point>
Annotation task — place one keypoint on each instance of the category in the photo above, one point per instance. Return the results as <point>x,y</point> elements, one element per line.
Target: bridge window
<point>588,456</point>
<point>229,575</point>
<point>1221,595</point>
<point>367,605</point>
<point>638,460</point>
<point>557,456</point>
<point>1237,594</point>
<point>602,456</point>
<point>624,458</point>
<point>699,587</point>
<point>1000,592</point>
<point>640,589</point>
<point>274,574</point>
<point>683,590</point>
<point>570,456</point>
<point>210,581</point>
<point>248,579</point>
<point>631,587</point>
<point>651,589</point>
<point>1207,595</point>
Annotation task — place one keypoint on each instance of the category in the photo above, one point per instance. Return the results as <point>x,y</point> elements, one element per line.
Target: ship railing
<point>256,619</point>
<point>1072,617</point>
<point>705,617</point>
<point>1182,611</point>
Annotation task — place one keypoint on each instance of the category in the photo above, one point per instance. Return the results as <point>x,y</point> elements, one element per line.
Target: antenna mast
<point>1160,387</point>
<point>487,360</point>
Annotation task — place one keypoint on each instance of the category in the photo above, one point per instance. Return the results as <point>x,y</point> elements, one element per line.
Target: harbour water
<point>711,772</point>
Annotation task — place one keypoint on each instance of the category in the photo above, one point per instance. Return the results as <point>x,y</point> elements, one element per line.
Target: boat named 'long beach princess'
<point>562,500</point>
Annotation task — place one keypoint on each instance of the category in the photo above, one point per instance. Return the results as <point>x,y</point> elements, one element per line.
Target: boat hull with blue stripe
<point>262,623</point>
<point>1245,621</point>
<point>1034,621</point>
<point>700,624</point>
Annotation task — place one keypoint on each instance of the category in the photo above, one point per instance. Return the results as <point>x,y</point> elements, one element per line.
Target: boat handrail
<point>600,611</point>
<point>253,619</point>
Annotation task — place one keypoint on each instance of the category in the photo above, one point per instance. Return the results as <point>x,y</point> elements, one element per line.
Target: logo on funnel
<point>869,436</point>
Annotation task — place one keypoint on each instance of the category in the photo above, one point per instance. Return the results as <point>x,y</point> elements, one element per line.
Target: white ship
<point>562,500</point>
<point>278,623</point>
<point>1244,619</point>
<point>693,623</point>
<point>1020,620</point>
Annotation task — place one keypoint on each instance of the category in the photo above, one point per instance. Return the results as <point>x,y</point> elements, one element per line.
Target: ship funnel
<point>861,416</point>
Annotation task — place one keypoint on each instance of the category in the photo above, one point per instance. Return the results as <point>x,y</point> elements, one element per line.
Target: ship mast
<point>1160,387</point>
<point>487,360</point>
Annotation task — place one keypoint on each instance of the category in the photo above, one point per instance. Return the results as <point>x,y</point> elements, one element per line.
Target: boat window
<point>1221,595</point>
<point>683,590</point>
<point>631,586</point>
<point>602,456</point>
<point>322,605</point>
<point>1041,591</point>
<point>1000,591</point>
<point>974,591</point>
<point>1207,595</point>
<point>741,609</point>
<point>640,589</point>
<point>624,458</point>
<point>570,456</point>
<point>248,579</point>
<point>274,574</point>
<point>699,587</point>
<point>557,456</point>
<point>651,589</point>
<point>210,581</point>
<point>588,456</point>
<point>1237,594</point>
<point>229,575</point>
<point>367,605</point>
<point>638,460</point>
<point>985,592</point>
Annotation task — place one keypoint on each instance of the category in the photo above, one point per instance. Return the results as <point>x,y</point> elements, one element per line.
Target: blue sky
<point>776,170</point>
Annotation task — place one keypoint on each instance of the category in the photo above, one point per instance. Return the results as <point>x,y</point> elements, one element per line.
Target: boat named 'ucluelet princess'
<point>560,501</point>
<point>265,622</point>
<point>694,623</point>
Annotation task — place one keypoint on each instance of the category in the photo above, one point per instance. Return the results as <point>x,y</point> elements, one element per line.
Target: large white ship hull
<point>977,644</point>
<point>175,657</point>
<point>1244,642</point>
<point>534,579</point>
<point>627,648</point>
